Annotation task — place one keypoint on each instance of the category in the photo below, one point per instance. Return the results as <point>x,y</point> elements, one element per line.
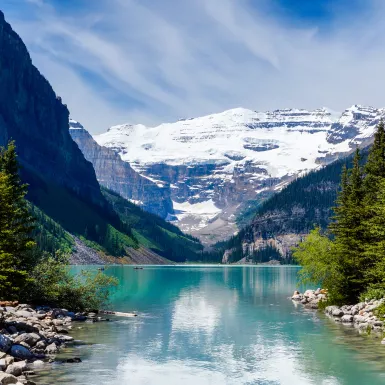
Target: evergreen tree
<point>348,230</point>
<point>375,165</point>
<point>375,248</point>
<point>16,225</point>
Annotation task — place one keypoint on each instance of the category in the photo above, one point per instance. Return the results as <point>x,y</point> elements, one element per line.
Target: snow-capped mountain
<point>215,164</point>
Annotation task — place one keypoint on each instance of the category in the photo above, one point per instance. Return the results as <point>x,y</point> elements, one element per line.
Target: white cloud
<point>157,61</point>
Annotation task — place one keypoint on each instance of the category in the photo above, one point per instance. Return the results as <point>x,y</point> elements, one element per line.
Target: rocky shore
<point>30,338</point>
<point>367,317</point>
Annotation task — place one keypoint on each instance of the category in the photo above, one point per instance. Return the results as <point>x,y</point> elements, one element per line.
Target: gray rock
<point>51,349</point>
<point>38,364</point>
<point>330,309</point>
<point>29,338</point>
<point>16,368</point>
<point>337,313</point>
<point>6,379</point>
<point>347,318</point>
<point>359,318</point>
<point>364,326</point>
<point>64,338</point>
<point>41,345</point>
<point>25,314</point>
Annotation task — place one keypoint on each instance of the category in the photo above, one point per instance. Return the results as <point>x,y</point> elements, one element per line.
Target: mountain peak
<point>75,125</point>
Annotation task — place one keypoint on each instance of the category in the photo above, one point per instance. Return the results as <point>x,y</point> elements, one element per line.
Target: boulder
<point>51,349</point>
<point>38,364</point>
<point>330,309</point>
<point>364,326</point>
<point>9,360</point>
<point>6,378</point>
<point>26,327</point>
<point>19,351</point>
<point>359,318</point>
<point>337,313</point>
<point>347,318</point>
<point>25,314</point>
<point>5,343</point>
<point>64,338</point>
<point>29,338</point>
<point>41,345</point>
<point>17,368</point>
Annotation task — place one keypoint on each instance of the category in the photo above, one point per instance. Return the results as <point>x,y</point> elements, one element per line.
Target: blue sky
<point>150,61</point>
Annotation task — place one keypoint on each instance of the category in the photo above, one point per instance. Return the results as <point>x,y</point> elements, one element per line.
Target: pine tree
<point>375,248</point>
<point>348,229</point>
<point>375,165</point>
<point>16,225</point>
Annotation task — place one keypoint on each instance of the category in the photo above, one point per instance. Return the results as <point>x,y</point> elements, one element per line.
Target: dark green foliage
<point>16,225</point>
<point>348,230</point>
<point>155,233</point>
<point>53,284</point>
<point>99,225</point>
<point>48,234</point>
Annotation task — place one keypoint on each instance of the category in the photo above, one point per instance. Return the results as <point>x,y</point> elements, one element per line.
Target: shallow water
<point>217,325</point>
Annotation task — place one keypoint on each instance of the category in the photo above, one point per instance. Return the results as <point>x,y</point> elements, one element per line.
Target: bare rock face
<point>33,116</point>
<point>119,176</point>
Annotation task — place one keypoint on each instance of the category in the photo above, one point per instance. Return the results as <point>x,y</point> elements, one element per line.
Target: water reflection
<point>219,325</point>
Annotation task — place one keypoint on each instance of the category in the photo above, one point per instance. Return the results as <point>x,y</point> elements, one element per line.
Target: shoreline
<point>367,317</point>
<point>31,337</point>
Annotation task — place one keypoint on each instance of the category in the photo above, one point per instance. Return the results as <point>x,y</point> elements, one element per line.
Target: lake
<point>201,325</point>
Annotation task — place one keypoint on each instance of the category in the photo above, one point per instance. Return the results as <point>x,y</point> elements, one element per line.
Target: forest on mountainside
<point>306,202</point>
<point>348,258</point>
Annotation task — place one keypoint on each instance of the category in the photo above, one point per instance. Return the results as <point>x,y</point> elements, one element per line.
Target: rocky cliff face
<point>216,164</point>
<point>33,116</point>
<point>119,176</point>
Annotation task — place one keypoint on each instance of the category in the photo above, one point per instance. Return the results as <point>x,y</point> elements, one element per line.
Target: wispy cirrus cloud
<point>148,61</point>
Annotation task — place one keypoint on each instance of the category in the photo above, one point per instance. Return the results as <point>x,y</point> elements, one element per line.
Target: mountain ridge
<point>213,166</point>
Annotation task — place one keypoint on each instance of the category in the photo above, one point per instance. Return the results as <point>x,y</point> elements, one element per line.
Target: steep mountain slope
<point>72,212</point>
<point>154,233</point>
<point>216,165</point>
<point>33,116</point>
<point>119,176</point>
<point>284,219</point>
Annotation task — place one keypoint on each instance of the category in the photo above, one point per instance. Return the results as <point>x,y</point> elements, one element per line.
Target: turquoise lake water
<point>217,325</point>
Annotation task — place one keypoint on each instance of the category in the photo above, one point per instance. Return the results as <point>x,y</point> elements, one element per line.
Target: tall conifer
<point>16,225</point>
<point>349,232</point>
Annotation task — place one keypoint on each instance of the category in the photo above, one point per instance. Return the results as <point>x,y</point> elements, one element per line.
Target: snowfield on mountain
<point>227,159</point>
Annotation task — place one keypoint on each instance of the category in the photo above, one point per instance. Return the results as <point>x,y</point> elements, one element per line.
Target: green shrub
<point>53,284</point>
<point>380,312</point>
<point>373,293</point>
